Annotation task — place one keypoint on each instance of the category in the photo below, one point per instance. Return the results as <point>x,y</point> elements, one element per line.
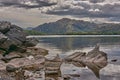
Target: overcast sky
<point>31,13</point>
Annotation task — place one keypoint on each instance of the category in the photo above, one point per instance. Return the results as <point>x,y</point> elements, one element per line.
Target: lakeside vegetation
<point>33,32</point>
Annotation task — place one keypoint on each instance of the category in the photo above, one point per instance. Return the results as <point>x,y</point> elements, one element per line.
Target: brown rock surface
<point>95,56</point>
<point>17,63</point>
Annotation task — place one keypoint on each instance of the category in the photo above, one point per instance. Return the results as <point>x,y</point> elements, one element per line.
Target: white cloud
<point>38,12</point>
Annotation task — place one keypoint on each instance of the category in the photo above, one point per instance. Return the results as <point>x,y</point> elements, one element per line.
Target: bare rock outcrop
<point>24,56</point>
<point>94,56</point>
<point>17,67</point>
<point>13,38</point>
<point>95,60</point>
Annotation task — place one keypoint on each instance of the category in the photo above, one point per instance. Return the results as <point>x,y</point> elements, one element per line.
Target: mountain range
<point>72,26</point>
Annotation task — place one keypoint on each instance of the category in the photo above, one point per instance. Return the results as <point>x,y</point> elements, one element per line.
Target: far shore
<point>30,36</point>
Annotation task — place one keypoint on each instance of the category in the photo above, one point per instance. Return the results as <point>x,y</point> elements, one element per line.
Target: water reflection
<point>96,67</point>
<point>70,43</point>
<point>79,59</point>
<point>64,46</point>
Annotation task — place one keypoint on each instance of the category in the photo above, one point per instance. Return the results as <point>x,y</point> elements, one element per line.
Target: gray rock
<point>114,60</point>
<point>11,68</point>
<point>66,77</point>
<point>96,67</point>
<point>16,34</point>
<point>4,79</point>
<point>12,35</point>
<point>53,66</point>
<point>2,38</point>
<point>96,55</point>
<point>30,42</point>
<point>6,44</point>
<point>77,56</point>
<point>5,26</point>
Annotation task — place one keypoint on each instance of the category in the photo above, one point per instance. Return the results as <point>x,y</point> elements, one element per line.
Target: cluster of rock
<point>24,58</point>
<point>25,67</point>
<point>29,67</point>
<point>13,38</point>
<point>94,60</point>
<point>25,61</point>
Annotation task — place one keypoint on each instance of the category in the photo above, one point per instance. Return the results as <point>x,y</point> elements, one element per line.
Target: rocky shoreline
<point>20,59</point>
<point>28,63</point>
<point>18,54</point>
<point>33,62</point>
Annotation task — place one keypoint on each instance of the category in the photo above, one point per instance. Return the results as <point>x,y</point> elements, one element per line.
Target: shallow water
<point>66,45</point>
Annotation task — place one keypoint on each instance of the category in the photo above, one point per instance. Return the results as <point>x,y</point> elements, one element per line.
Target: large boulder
<point>95,60</point>
<point>94,56</point>
<point>16,35</point>
<point>13,35</point>
<point>96,67</point>
<point>13,38</point>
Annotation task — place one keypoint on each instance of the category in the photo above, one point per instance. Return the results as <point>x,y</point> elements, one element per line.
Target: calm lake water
<point>66,45</point>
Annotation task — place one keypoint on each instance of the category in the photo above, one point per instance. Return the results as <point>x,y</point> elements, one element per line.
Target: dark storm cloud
<point>22,3</point>
<point>96,1</point>
<point>90,8</point>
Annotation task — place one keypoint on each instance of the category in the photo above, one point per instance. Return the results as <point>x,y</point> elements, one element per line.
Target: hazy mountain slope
<point>65,25</point>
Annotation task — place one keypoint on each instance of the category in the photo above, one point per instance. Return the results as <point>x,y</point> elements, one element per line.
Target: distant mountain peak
<point>66,25</point>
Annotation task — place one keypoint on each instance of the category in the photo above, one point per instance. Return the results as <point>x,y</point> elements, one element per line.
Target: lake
<point>65,45</point>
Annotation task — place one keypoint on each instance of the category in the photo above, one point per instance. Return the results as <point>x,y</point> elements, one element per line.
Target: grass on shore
<point>32,32</point>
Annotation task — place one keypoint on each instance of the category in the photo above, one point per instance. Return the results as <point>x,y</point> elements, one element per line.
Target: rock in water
<point>94,60</point>
<point>114,60</point>
<point>96,55</point>
<point>53,66</point>
<point>93,56</point>
<point>77,56</point>
<point>96,67</point>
